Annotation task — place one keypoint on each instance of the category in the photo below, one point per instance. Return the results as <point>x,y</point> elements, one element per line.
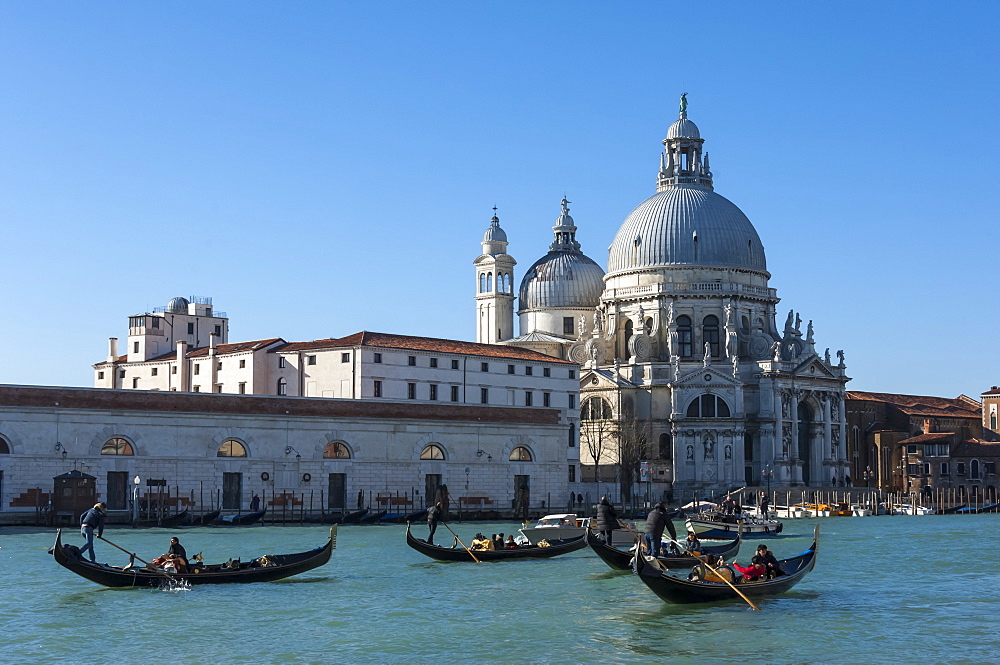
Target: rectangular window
<point>572,473</point>
<point>454,393</point>
<point>219,366</point>
<point>434,362</point>
<point>190,328</point>
<point>454,363</point>
<point>218,387</point>
<point>196,389</point>
<point>567,325</point>
<point>243,364</point>
<point>944,468</point>
<point>527,371</point>
<point>378,358</point>
<point>411,391</point>
<point>528,398</point>
<point>546,399</point>
<point>510,369</point>
<point>990,467</point>
<point>173,369</point>
<point>411,361</point>
<point>484,395</point>
<point>434,392</point>
<point>572,401</point>
<point>378,389</point>
<point>281,362</point>
<point>154,371</point>
<point>121,374</point>
<point>484,367</point>
<point>218,331</point>
<point>345,357</point>
<point>911,449</point>
<point>572,374</point>
<point>135,381</point>
<point>310,360</point>
<point>926,470</point>
<point>100,375</point>
<point>913,469</point>
<point>546,371</point>
<point>960,468</point>
<point>197,369</point>
<point>156,321</point>
<point>135,347</point>
<point>243,388</point>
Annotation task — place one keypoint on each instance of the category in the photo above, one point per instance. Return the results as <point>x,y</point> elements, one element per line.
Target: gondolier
<point>607,519</point>
<point>90,520</point>
<point>656,521</point>
<point>433,517</point>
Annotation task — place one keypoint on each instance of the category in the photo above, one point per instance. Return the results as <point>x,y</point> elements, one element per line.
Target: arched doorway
<point>805,425</point>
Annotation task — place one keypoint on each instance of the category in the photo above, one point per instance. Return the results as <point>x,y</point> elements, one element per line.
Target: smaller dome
<point>494,233</point>
<point>178,305</point>
<point>683,129</point>
<point>562,279</point>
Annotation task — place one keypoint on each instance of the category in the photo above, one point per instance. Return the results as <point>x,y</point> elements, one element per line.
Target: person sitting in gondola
<point>692,544</point>
<point>509,544</point>
<point>498,542</point>
<point>175,558</point>
<point>766,559</point>
<point>751,573</point>
<point>481,542</point>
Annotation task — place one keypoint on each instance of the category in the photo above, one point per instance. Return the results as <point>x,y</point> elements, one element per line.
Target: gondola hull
<point>679,590</point>
<point>277,567</point>
<point>461,554</point>
<point>724,529</point>
<point>622,559</point>
<point>207,518</point>
<point>239,520</point>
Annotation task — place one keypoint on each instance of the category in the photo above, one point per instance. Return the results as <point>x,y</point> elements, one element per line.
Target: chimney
<point>182,366</point>
<point>213,364</point>
<point>211,344</point>
<point>112,349</point>
<point>927,425</point>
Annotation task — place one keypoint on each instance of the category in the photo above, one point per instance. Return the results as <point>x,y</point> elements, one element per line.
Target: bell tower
<point>494,287</point>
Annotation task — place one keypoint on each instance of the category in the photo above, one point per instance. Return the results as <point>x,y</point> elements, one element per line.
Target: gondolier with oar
<point>90,520</point>
<point>434,516</point>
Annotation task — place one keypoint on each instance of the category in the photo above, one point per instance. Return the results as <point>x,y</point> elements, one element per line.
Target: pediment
<point>592,379</point>
<point>814,367</point>
<point>707,377</point>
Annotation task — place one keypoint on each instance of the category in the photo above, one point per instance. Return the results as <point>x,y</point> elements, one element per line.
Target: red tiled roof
<point>977,448</point>
<point>925,438</point>
<point>119,359</point>
<point>433,344</point>
<point>202,351</point>
<point>992,391</point>
<point>922,405</point>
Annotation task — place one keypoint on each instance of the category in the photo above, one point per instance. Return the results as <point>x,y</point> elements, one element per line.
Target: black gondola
<point>622,559</point>
<point>266,568</point>
<point>239,520</point>
<point>458,553</point>
<point>177,519</point>
<point>679,590</point>
<point>355,517</point>
<point>207,518</point>
<point>374,517</point>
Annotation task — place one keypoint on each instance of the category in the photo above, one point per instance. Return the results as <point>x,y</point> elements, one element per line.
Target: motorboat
<point>857,510</point>
<point>910,509</point>
<point>721,526</point>
<point>566,526</point>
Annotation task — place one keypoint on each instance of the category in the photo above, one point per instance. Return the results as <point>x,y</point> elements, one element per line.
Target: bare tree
<point>597,430</point>
<point>632,439</point>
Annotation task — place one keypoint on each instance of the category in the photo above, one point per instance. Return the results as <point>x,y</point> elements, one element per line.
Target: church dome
<point>494,233</point>
<point>686,224</point>
<point>561,279</point>
<point>683,128</point>
<point>565,277</point>
<point>178,305</point>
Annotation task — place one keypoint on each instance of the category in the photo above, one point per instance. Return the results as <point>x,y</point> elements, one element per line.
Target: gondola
<point>459,553</point>
<point>207,518</point>
<point>373,517</point>
<point>177,519</point>
<point>355,517</point>
<point>680,590</point>
<point>266,568</point>
<point>239,520</point>
<point>713,525</point>
<point>622,559</point>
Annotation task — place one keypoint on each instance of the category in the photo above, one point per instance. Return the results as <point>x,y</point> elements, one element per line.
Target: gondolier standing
<point>607,519</point>
<point>433,517</point>
<point>90,520</point>
<point>656,521</point>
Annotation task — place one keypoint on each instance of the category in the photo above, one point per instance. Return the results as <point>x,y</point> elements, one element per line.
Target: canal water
<point>885,590</point>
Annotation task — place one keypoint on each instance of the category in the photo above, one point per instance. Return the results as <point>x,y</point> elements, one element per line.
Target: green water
<point>885,590</point>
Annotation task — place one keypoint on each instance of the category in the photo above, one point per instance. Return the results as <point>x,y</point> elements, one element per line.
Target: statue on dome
<point>776,351</point>
<point>798,324</point>
<point>597,321</point>
<point>790,321</point>
<point>840,356</point>
<point>565,206</point>
<point>684,104</point>
<point>826,356</point>
<point>809,332</point>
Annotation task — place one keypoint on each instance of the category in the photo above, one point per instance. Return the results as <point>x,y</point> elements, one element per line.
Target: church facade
<point>683,364</point>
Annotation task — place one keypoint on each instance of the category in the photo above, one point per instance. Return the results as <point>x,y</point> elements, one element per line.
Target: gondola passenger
<point>692,544</point>
<point>765,558</point>
<point>510,544</point>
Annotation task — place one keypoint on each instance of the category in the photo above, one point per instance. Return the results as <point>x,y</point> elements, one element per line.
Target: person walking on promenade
<point>90,520</point>
<point>656,522</point>
<point>433,517</point>
<point>607,519</point>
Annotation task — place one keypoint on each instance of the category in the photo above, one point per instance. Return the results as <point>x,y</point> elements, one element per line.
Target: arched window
<point>710,334</point>
<point>117,447</point>
<point>482,282</point>
<point>974,470</point>
<point>595,408</point>
<point>4,447</point>
<point>337,450</point>
<point>744,343</point>
<point>231,448</point>
<point>572,435</point>
<point>665,446</point>
<point>684,340</point>
<point>649,326</point>
<point>489,281</point>
<point>520,454</point>
<point>432,451</point>
<point>282,387</point>
<point>629,328</point>
<point>708,406</point>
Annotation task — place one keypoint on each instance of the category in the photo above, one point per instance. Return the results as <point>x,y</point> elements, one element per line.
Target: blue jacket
<point>93,518</point>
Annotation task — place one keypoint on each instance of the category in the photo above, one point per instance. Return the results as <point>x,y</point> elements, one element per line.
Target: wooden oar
<point>461,543</point>
<point>149,566</point>
<point>722,577</point>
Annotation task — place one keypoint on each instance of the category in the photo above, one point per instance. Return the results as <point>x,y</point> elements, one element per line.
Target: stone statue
<point>729,452</point>
<point>684,104</point>
<point>789,321</point>
<point>776,351</point>
<point>690,453</point>
<point>708,354</point>
<point>729,312</point>
<point>597,320</point>
<point>809,332</point>
<point>826,356</point>
<point>595,355</point>
<point>642,319</point>
<point>670,313</point>
<point>736,367</point>
<point>709,442</point>
<point>565,206</point>
<point>840,356</point>
<point>786,440</point>
<point>676,360</point>
<point>581,326</point>
<point>798,323</point>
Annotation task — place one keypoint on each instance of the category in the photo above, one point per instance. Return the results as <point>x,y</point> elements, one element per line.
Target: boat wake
<point>175,585</point>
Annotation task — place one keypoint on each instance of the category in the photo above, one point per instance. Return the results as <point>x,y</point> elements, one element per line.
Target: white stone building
<point>681,341</point>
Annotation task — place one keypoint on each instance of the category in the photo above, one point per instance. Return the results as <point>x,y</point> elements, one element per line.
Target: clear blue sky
<point>320,168</point>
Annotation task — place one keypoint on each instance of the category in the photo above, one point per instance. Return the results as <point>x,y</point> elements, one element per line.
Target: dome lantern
<point>681,161</point>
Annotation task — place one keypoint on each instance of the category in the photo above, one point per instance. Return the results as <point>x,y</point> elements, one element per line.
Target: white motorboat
<point>910,509</point>
<point>858,510</point>
<point>718,526</point>
<point>568,525</point>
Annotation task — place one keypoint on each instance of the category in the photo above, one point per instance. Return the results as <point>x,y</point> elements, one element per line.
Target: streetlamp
<point>767,473</point>
<point>867,475</point>
<point>135,501</point>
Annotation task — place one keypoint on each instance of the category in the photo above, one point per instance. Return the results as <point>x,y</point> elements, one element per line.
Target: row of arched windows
<point>433,451</point>
<point>504,282</point>
<point>703,406</point>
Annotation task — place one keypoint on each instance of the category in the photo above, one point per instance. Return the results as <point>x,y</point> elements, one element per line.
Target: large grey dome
<point>561,279</point>
<point>686,224</point>
<point>178,305</point>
